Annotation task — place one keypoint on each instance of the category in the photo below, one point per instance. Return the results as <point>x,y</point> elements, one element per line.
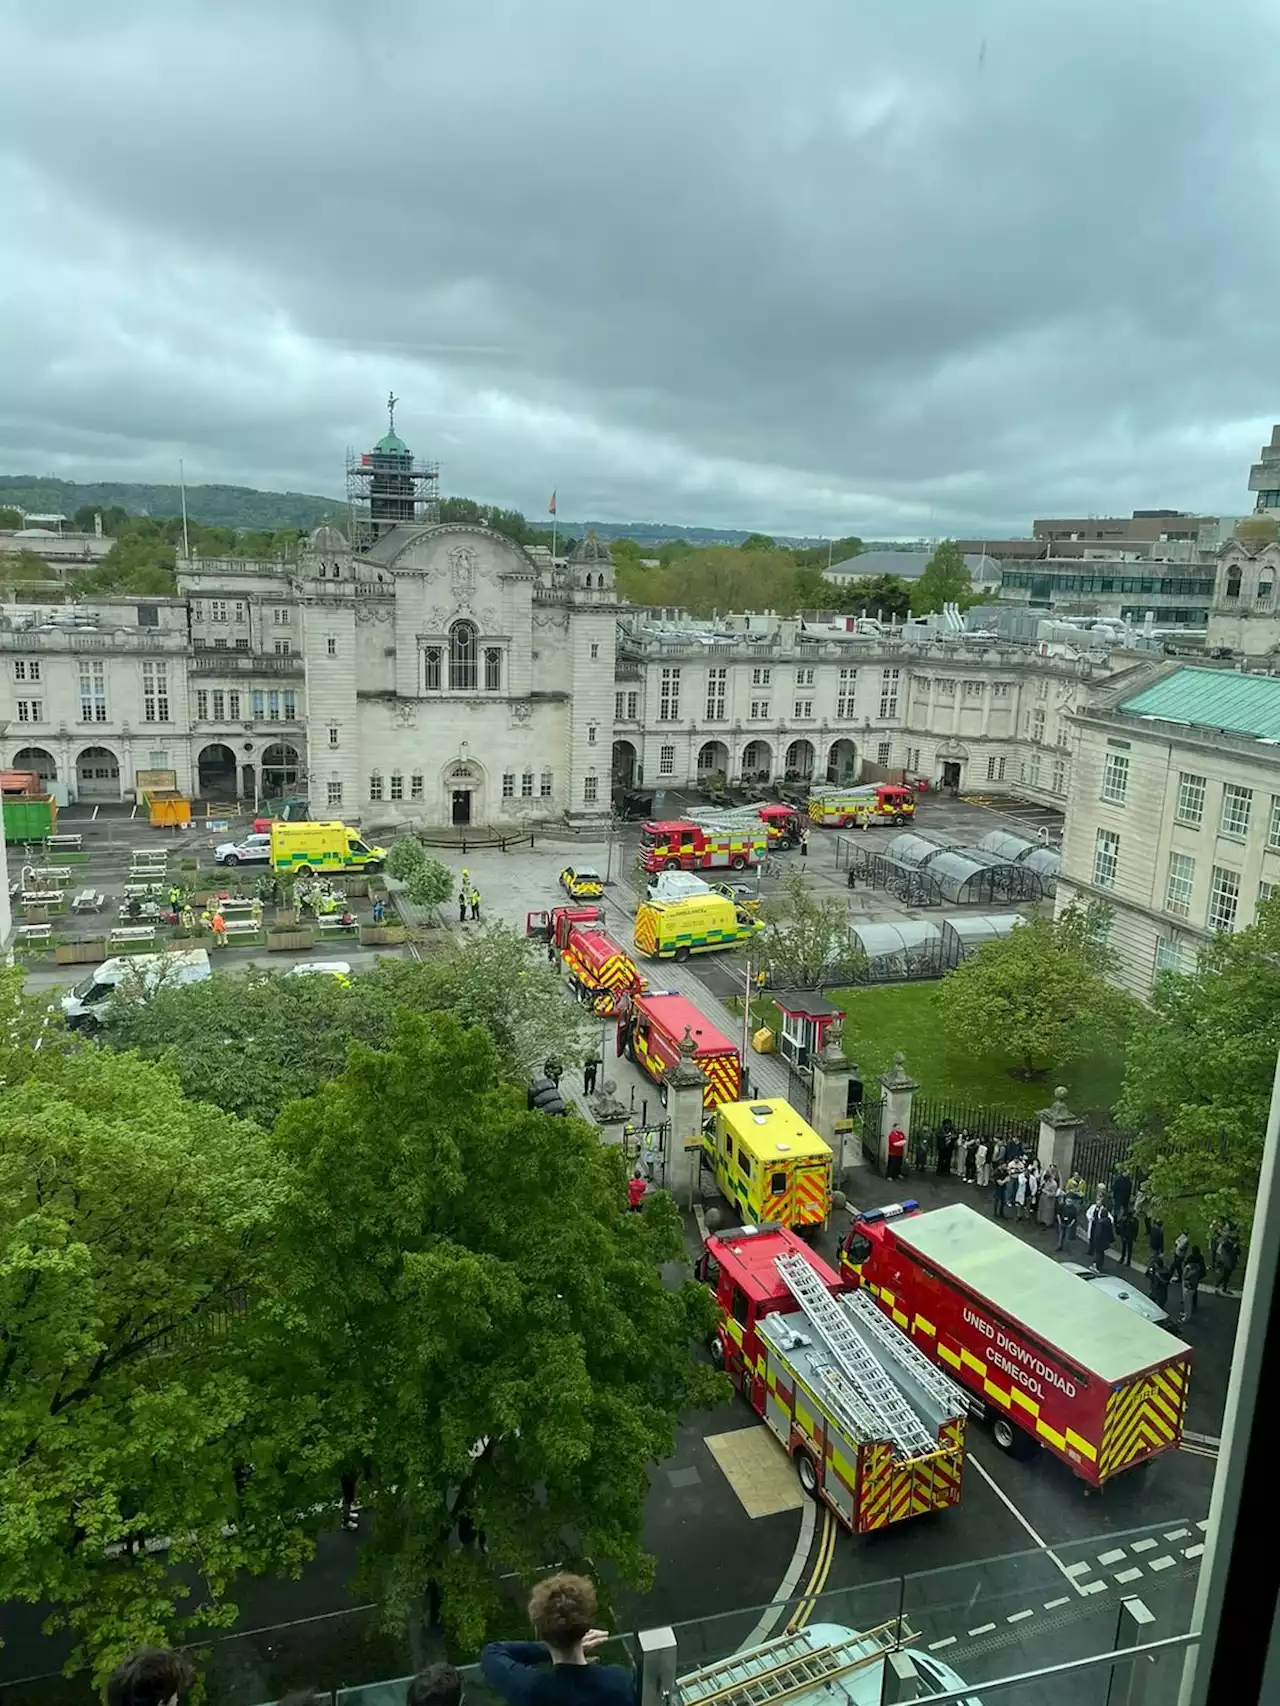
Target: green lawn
<point>881,1020</point>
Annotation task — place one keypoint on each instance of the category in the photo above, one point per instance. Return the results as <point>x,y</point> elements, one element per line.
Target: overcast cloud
<point>906,267</point>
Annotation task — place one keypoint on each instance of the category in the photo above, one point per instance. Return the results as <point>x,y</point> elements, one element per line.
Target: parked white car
<point>1115,1285</point>
<point>253,850</point>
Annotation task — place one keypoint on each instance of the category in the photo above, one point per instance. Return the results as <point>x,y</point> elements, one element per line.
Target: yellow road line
<point>821,1570</point>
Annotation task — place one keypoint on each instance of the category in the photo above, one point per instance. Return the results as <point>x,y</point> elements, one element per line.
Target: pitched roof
<point>1213,699</point>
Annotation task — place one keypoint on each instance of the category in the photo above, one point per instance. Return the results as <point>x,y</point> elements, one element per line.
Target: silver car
<point>1116,1286</point>
<point>253,850</point>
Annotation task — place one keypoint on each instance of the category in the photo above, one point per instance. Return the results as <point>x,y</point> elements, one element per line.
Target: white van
<point>88,1001</point>
<point>677,885</point>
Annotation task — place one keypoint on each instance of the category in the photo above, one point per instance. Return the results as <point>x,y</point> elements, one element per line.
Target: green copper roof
<point>1213,699</point>
<point>392,444</point>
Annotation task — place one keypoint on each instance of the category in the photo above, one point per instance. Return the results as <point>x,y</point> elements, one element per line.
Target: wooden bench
<point>143,891</point>
<point>336,922</point>
<point>228,907</point>
<point>56,875</point>
<point>63,843</point>
<point>241,927</point>
<point>88,900</point>
<point>34,932</point>
<point>153,910</point>
<point>125,935</point>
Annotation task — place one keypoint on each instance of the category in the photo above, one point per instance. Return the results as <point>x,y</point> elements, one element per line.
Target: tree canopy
<point>1198,1073</point>
<point>946,580</point>
<point>133,1224</point>
<point>1038,995</point>
<point>808,942</point>
<point>486,1322</point>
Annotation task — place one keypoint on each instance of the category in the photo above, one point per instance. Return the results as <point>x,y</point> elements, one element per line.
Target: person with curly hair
<point>558,1669</point>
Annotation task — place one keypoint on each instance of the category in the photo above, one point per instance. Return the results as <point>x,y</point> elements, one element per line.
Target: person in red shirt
<point>635,1191</point>
<point>897,1150</point>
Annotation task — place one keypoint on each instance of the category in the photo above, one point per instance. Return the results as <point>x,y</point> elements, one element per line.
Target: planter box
<point>355,886</point>
<point>286,917</point>
<point>80,953</point>
<point>288,941</point>
<point>381,935</point>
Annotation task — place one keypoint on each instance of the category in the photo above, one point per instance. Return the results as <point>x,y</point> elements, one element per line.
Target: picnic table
<point>241,927</point>
<point>34,932</point>
<point>152,909</point>
<point>43,897</point>
<point>88,900</point>
<point>124,934</point>
<point>229,906</point>
<point>143,891</point>
<point>54,874</point>
<point>334,921</point>
<point>64,843</point>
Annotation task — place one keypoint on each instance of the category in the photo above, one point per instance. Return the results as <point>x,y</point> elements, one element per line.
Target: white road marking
<point>1112,1557</point>
<point>1165,1563</point>
<point>982,1629</point>
<point>772,1612</point>
<point>1142,1545</point>
<point>1203,1524</point>
<point>1053,1604</point>
<point>1128,1575</point>
<point>1094,1587</point>
<point>1202,1439</point>
<point>1017,1616</point>
<point>1177,1534</point>
<point>1192,1551</point>
<point>946,1641</point>
<point>1021,1520</point>
<point>1081,1567</point>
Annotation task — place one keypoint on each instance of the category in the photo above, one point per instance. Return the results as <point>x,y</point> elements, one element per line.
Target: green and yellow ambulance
<point>695,924</point>
<point>304,848</point>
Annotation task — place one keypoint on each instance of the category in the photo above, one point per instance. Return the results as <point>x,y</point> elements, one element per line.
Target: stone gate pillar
<point>832,1071</point>
<point>685,1085</point>
<point>896,1091</point>
<point>1057,1140</point>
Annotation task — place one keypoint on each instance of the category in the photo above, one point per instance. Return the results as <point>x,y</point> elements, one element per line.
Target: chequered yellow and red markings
<point>723,1074</point>
<point>1144,1416</point>
<point>811,1194</point>
<point>615,973</point>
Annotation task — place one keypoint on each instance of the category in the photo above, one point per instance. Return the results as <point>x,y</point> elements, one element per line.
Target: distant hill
<point>216,506</point>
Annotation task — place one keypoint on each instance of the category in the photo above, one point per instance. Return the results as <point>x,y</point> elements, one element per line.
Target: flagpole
<point>182,480</point>
<point>555,522</point>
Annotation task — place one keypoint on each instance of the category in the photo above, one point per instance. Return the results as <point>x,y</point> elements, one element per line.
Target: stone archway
<point>842,762</point>
<point>757,761</point>
<point>97,774</point>
<point>625,765</point>
<point>713,758</point>
<point>217,772</point>
<point>799,762</point>
<point>281,768</point>
<point>35,758</point>
<point>462,787</point>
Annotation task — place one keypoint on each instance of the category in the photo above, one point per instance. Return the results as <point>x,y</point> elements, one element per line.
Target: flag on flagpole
<point>551,507</point>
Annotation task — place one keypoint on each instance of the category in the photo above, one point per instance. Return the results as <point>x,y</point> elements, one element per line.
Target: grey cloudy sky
<point>906,267</point>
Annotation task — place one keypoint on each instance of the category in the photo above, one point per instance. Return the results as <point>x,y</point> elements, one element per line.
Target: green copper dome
<point>391,444</point>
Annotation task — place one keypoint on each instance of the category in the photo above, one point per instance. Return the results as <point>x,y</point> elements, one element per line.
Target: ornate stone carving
<point>405,714</point>
<point>437,618</point>
<point>521,711</point>
<point>462,573</point>
<point>489,619</point>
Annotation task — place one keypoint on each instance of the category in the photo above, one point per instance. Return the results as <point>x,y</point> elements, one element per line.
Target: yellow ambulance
<point>303,848</point>
<point>771,1165</point>
<point>694,924</point>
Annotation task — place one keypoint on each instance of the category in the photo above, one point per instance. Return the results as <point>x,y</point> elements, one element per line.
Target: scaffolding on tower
<point>388,487</point>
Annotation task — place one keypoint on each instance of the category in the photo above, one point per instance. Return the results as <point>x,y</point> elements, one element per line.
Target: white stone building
<point>1174,817</point>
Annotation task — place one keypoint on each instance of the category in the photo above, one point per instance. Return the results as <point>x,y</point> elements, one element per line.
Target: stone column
<point>896,1091</point>
<point>832,1071</point>
<point>685,1086</point>
<point>1057,1141</point>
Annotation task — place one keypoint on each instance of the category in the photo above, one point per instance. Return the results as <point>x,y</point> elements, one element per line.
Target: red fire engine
<point>598,968</point>
<point>653,1037</point>
<point>680,845</point>
<point>1049,1357</point>
<point>876,1432</point>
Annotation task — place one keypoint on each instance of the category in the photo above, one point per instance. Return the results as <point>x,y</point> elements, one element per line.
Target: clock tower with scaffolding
<point>387,487</point>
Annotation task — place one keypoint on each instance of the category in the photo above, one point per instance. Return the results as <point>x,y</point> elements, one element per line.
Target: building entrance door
<point>461,807</point>
<point>951,775</point>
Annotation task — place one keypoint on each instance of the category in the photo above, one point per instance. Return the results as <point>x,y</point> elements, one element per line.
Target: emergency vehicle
<point>697,924</point>
<point>881,802</point>
<point>770,1164</point>
<point>876,1432</point>
<point>783,824</point>
<point>302,848</point>
<point>682,845</point>
<point>1083,1376</point>
<point>658,1024</point>
<point>597,967</point>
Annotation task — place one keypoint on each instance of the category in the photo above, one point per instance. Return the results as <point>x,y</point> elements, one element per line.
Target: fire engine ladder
<point>855,1362</point>
<point>942,1390</point>
<point>791,1664</point>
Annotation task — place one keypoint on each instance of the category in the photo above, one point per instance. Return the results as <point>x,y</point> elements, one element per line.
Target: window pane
<point>1181,880</point>
<point>1115,777</point>
<point>1224,898</point>
<point>1237,809</point>
<point>1190,807</point>
<point>1106,855</point>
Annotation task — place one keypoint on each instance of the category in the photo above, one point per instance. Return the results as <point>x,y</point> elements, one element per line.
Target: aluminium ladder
<point>871,1318</point>
<point>788,1665</point>
<point>854,1357</point>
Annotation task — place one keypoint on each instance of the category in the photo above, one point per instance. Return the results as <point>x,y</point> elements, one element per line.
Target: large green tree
<point>1038,996</point>
<point>487,1324</point>
<point>133,1225</point>
<point>1198,1073</point>
<point>946,580</point>
<point>252,1044</point>
<point>878,595</point>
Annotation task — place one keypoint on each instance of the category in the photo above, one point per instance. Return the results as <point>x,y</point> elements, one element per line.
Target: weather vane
<point>392,400</point>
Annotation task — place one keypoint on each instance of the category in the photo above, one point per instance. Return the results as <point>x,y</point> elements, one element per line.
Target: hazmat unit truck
<point>1050,1361</point>
<point>597,968</point>
<point>304,848</point>
<point>876,1432</point>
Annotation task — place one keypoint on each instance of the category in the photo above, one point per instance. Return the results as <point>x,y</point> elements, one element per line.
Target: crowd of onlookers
<point>557,1669</point>
<point>1107,1216</point>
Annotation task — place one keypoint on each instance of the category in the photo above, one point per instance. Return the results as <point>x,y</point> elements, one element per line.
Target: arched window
<point>1233,581</point>
<point>462,657</point>
<point>600,582</point>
